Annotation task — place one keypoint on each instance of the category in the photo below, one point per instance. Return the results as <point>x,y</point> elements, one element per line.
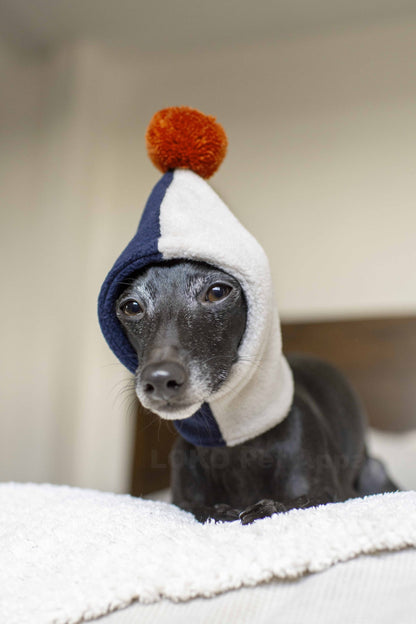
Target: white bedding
<point>69,554</point>
<point>373,589</point>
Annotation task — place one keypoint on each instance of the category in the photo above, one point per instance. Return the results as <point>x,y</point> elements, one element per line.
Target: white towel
<point>68,554</point>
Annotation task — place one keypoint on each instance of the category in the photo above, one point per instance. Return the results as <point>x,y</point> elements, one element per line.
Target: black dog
<point>186,320</point>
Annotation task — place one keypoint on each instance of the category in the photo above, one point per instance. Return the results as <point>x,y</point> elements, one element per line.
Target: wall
<point>320,168</point>
<point>61,417</point>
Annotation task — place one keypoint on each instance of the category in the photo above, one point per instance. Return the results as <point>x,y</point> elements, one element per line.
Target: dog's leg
<point>262,509</point>
<point>268,507</point>
<point>191,487</point>
<point>219,513</point>
<point>373,479</point>
<point>321,490</point>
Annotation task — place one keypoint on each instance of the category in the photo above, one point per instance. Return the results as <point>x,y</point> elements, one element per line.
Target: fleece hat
<point>184,218</point>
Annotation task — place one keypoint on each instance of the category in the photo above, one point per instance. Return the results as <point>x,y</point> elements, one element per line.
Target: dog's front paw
<point>263,509</point>
<point>220,512</point>
<point>225,513</point>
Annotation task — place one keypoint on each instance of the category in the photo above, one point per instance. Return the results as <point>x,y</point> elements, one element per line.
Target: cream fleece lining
<point>195,224</point>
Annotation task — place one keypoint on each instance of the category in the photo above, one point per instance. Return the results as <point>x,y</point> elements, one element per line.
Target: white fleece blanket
<point>68,554</point>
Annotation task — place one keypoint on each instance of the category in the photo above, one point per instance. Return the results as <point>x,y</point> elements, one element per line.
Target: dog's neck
<point>259,400</point>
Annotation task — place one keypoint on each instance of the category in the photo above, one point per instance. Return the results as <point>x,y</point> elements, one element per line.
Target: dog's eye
<point>131,308</point>
<point>217,292</point>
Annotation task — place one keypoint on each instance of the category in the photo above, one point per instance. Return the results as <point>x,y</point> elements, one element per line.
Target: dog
<point>185,320</point>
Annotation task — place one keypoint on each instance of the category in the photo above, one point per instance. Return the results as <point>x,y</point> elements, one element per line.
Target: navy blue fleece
<point>201,428</point>
<point>141,251</point>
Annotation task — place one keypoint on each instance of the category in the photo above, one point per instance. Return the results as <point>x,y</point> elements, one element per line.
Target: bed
<point>70,555</point>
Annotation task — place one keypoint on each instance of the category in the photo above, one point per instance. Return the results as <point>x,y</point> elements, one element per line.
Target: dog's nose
<point>164,380</point>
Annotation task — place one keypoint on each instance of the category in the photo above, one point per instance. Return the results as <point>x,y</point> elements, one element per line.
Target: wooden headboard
<point>377,355</point>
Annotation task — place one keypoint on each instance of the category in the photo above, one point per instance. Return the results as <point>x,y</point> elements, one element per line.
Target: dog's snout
<point>164,380</point>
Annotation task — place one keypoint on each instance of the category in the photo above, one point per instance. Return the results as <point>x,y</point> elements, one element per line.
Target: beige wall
<point>321,168</point>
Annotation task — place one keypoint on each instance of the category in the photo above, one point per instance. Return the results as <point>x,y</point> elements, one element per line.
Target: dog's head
<point>185,320</point>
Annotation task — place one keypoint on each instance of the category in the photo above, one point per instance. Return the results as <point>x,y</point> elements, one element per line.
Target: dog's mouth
<point>172,409</point>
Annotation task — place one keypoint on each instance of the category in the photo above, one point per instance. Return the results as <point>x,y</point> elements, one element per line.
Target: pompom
<point>180,137</point>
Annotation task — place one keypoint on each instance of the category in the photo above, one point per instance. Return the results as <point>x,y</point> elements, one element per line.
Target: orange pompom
<point>180,137</point>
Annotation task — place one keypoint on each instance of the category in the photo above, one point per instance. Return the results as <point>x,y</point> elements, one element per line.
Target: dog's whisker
<point>128,398</point>
<point>159,429</point>
<point>122,387</point>
<point>206,424</point>
<point>170,426</point>
<point>117,364</point>
<point>125,381</point>
<point>149,424</point>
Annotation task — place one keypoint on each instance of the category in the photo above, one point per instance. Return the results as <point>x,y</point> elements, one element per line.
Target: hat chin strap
<point>263,404</point>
